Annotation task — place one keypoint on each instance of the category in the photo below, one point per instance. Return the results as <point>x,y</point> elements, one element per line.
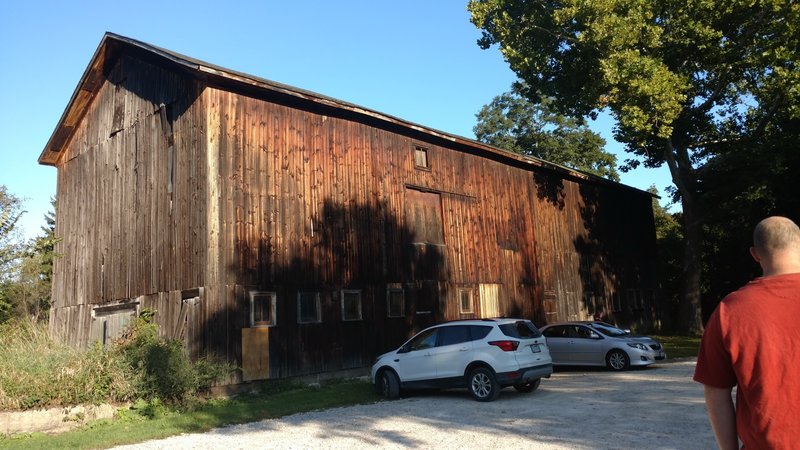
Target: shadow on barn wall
<point>353,247</point>
<point>620,280</point>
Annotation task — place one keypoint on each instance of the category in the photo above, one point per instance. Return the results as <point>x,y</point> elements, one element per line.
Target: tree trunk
<point>684,177</point>
<point>690,321</point>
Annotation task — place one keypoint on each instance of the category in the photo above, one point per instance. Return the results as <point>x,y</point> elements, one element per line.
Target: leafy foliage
<point>514,123</point>
<point>686,81</point>
<point>744,184</point>
<point>10,249</point>
<point>25,287</point>
<point>163,366</point>
<point>10,213</point>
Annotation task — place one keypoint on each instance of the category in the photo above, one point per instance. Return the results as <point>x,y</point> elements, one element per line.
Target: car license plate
<point>536,348</point>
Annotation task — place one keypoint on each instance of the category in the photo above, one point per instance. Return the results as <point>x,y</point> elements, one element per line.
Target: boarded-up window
<point>424,217</point>
<point>490,300</point>
<point>308,307</point>
<point>351,305</point>
<point>465,301</point>
<point>421,157</point>
<point>262,309</point>
<point>110,322</point>
<point>395,302</point>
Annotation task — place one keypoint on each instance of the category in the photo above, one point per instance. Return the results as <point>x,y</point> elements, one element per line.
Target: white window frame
<point>402,293</point>
<point>346,292</point>
<point>273,299</point>
<point>317,303</point>
<point>461,309</point>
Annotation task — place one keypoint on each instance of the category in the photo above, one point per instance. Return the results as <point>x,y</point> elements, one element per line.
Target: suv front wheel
<point>389,385</point>
<point>482,385</point>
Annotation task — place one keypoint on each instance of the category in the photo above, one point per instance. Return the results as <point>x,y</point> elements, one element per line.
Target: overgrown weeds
<point>40,372</point>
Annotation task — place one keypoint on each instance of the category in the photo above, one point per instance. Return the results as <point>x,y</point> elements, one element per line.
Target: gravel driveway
<point>659,407</point>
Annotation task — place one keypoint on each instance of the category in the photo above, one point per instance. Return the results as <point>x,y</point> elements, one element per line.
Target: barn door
<point>110,322</point>
<point>550,306</point>
<point>425,304</point>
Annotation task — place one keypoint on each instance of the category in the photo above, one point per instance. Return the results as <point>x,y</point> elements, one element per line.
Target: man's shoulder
<point>761,286</point>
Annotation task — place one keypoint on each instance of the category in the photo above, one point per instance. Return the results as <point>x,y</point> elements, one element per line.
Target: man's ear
<point>754,254</point>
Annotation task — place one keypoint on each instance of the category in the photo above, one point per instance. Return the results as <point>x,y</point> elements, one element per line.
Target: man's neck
<point>777,268</point>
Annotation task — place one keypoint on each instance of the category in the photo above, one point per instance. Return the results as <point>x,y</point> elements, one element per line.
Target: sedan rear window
<point>524,329</point>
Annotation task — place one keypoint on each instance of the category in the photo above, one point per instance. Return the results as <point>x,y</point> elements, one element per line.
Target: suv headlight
<point>639,346</point>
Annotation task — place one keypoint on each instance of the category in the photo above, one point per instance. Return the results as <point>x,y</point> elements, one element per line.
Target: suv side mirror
<point>594,335</point>
<point>404,349</point>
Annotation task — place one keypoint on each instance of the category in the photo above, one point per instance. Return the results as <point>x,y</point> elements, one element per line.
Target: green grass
<point>154,421</point>
<point>680,346</point>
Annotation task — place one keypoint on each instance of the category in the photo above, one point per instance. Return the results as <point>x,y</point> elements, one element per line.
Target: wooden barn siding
<point>121,239</point>
<point>251,180</point>
<point>594,240</point>
<point>285,171</point>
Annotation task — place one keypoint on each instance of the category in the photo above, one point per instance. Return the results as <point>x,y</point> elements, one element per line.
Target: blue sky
<point>416,59</point>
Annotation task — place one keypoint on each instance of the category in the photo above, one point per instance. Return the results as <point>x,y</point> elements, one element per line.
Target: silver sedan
<point>600,344</point>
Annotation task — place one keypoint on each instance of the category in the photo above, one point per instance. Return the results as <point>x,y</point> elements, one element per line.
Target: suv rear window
<point>453,335</point>
<point>524,329</point>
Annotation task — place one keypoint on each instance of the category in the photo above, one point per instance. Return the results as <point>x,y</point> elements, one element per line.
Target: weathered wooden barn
<point>293,233</point>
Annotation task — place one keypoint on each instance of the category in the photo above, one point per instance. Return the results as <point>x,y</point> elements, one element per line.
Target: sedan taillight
<point>506,346</point>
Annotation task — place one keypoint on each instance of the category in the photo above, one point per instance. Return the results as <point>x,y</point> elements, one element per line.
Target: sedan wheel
<point>617,360</point>
<point>482,385</point>
<point>528,387</point>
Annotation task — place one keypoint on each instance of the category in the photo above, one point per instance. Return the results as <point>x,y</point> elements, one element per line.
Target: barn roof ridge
<point>93,75</point>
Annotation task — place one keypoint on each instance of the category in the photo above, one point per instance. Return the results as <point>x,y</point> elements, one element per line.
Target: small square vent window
<point>421,157</point>
<point>308,307</point>
<point>465,301</point>
<point>262,309</point>
<point>351,305</point>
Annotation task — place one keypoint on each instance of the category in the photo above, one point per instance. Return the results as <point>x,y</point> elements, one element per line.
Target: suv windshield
<point>523,329</point>
<point>608,329</point>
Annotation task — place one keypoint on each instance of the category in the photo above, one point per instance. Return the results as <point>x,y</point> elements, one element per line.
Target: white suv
<point>482,355</point>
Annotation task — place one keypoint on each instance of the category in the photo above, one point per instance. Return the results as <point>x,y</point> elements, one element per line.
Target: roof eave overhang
<point>112,45</point>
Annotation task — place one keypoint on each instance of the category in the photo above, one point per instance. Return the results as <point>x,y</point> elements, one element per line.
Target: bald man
<point>752,341</point>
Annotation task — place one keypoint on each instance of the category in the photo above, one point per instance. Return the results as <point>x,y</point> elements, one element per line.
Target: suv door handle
<point>464,349</point>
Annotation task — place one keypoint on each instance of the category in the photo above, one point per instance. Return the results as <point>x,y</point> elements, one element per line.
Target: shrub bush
<point>164,370</point>
<point>38,372</point>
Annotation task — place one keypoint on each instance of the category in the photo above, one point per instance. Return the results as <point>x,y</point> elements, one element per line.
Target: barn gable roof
<point>113,45</point>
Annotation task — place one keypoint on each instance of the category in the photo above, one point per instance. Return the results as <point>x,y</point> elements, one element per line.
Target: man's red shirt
<point>752,341</point>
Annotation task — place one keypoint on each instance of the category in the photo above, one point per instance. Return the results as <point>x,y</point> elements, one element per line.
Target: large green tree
<point>746,181</point>
<point>10,247</point>
<point>514,123</point>
<point>30,292</point>
<point>674,74</point>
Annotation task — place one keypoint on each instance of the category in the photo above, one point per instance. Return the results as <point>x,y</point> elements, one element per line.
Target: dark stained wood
<point>171,185</point>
